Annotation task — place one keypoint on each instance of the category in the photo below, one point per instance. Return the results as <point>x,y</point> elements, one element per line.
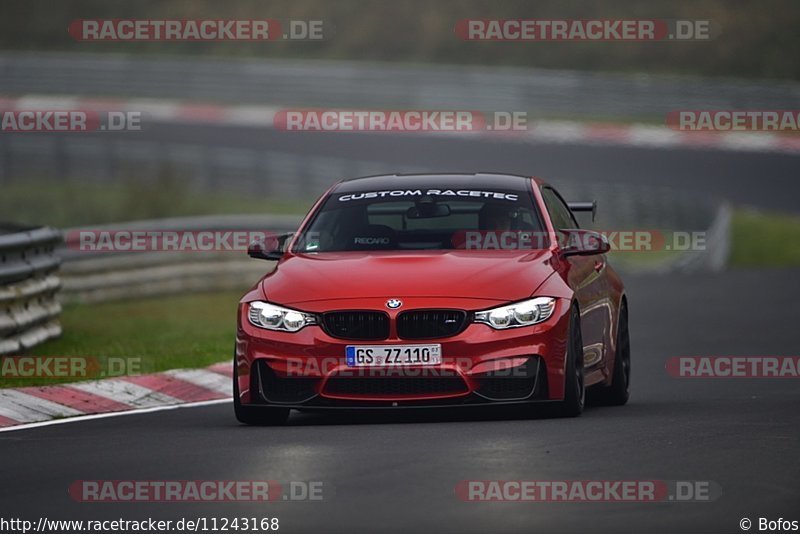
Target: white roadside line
<point>135,411</point>
<point>35,101</point>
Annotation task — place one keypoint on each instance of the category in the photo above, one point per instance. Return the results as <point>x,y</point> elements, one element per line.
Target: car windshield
<point>424,219</point>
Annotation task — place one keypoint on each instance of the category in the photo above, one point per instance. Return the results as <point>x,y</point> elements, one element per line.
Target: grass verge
<point>764,239</point>
<point>148,335</point>
<point>70,204</point>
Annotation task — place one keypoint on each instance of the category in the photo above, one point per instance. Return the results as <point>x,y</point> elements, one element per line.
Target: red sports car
<point>433,290</point>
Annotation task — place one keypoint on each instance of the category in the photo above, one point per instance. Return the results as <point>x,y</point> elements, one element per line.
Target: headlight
<point>523,313</point>
<point>272,317</point>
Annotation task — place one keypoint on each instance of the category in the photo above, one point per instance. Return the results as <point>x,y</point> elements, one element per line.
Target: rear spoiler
<point>584,206</point>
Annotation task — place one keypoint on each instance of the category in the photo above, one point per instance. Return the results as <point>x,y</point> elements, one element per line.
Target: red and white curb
<point>548,131</point>
<point>26,405</point>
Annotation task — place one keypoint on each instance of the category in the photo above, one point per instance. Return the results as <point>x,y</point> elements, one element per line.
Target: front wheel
<point>250,415</point>
<point>618,392</point>
<point>574,388</point>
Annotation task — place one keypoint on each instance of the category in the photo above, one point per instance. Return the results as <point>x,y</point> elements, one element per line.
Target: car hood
<point>487,275</point>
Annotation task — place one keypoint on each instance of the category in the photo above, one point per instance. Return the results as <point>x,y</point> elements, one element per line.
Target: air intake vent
<point>388,387</point>
<point>356,325</point>
<point>430,324</point>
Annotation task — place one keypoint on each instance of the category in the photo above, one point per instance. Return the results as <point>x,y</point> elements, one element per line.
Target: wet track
<point>397,472</point>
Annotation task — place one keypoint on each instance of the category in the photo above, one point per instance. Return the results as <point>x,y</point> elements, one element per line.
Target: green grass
<point>65,204</point>
<point>641,260</point>
<point>758,239</point>
<point>158,334</point>
<point>765,239</point>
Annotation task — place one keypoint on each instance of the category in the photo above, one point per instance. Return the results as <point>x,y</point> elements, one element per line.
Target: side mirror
<point>584,243</point>
<point>270,248</point>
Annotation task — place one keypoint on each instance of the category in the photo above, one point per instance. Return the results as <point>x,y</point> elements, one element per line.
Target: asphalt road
<point>396,472</point>
<point>764,180</point>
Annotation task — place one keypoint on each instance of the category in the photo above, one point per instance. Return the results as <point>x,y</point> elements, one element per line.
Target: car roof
<point>513,182</point>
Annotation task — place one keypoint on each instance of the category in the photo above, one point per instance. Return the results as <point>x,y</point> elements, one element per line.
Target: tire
<point>249,415</point>
<point>618,393</point>
<point>574,384</point>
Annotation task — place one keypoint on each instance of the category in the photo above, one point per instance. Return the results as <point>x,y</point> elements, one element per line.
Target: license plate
<point>392,355</point>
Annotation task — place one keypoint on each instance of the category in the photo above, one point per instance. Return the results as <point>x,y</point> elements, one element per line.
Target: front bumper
<point>480,366</point>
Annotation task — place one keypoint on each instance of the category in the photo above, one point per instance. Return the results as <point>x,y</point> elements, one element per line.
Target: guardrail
<point>354,84</point>
<point>28,285</point>
<point>98,276</point>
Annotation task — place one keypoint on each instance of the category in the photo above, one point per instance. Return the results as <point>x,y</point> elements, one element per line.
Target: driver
<point>497,217</point>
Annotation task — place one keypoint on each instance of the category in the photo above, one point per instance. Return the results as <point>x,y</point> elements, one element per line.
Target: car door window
<point>559,212</point>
